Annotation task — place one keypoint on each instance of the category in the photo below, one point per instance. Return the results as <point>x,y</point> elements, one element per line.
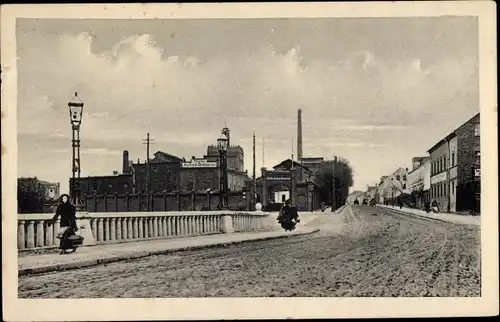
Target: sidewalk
<point>453,218</point>
<point>101,254</point>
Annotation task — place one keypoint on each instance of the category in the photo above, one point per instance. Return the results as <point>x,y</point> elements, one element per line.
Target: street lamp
<point>223,145</point>
<point>75,117</point>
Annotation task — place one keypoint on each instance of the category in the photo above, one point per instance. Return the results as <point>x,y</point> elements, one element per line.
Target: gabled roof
<point>287,164</point>
<point>164,156</point>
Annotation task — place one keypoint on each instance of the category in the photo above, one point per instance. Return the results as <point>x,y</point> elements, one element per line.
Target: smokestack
<point>299,135</point>
<point>126,163</point>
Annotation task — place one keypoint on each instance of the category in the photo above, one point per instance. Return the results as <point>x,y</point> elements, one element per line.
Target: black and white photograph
<point>244,152</point>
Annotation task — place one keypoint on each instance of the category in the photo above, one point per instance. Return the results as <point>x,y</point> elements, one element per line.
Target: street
<point>363,251</point>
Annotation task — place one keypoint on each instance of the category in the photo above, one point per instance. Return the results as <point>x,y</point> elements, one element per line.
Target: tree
<point>30,195</point>
<point>343,180</point>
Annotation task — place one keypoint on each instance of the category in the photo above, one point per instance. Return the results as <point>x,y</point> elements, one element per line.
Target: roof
<point>170,156</point>
<point>288,163</point>
<point>451,135</point>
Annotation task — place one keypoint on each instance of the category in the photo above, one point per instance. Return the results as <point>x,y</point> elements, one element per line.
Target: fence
<point>177,201</point>
<point>34,231</point>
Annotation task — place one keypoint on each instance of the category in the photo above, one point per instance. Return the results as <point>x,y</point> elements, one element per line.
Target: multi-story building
<point>467,184</point>
<point>440,159</point>
<point>455,169</point>
<point>235,157</point>
<point>419,181</point>
<point>393,186</point>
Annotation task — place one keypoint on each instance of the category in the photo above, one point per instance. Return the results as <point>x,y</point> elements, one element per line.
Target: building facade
<point>52,190</point>
<point>440,161</point>
<point>468,179</point>
<point>455,169</point>
<point>419,181</point>
<point>235,157</point>
<point>393,187</point>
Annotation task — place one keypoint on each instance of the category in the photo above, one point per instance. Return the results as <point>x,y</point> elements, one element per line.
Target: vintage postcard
<point>249,160</point>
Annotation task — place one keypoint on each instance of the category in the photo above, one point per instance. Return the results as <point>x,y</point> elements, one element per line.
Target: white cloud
<point>137,87</point>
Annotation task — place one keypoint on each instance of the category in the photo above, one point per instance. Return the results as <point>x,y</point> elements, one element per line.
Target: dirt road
<point>362,252</point>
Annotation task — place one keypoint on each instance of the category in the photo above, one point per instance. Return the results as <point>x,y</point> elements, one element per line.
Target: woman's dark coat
<point>67,212</point>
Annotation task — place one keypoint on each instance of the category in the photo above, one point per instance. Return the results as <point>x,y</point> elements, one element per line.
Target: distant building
<point>275,186</point>
<point>355,195</point>
<point>169,173</point>
<point>52,190</point>
<point>393,186</point>
<point>419,181</point>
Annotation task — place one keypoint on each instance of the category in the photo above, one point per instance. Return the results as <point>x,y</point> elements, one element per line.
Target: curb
<point>137,255</point>
<point>424,217</point>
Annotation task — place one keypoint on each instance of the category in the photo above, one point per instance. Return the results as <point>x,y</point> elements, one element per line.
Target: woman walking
<point>66,234</point>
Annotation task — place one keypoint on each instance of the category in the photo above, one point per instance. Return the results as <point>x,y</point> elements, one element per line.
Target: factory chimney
<point>126,163</point>
<point>299,135</point>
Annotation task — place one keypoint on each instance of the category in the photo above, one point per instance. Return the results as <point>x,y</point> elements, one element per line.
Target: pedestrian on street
<point>67,211</point>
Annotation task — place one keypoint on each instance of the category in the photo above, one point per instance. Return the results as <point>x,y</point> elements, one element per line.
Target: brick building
<point>165,173</point>
<point>235,157</point>
<point>283,182</point>
<point>455,169</point>
<point>169,173</point>
<point>468,183</point>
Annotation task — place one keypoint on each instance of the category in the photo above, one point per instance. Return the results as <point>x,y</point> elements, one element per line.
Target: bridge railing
<point>107,228</point>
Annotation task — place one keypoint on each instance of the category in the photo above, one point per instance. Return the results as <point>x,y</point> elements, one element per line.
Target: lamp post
<point>222,145</point>
<point>75,116</point>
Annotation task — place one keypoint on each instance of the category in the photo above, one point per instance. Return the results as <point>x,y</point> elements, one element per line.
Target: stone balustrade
<point>103,228</point>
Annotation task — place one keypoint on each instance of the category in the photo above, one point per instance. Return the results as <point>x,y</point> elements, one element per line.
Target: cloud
<point>138,87</point>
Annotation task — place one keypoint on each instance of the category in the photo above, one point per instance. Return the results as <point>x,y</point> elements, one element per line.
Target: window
<point>477,130</point>
<point>283,198</point>
<point>404,178</point>
<point>398,177</point>
<point>453,188</point>
<point>453,159</point>
<point>190,186</point>
<point>444,163</point>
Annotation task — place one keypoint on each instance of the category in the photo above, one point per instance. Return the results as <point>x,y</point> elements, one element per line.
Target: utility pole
<point>147,141</point>
<point>254,188</point>
<point>334,200</point>
<point>263,152</point>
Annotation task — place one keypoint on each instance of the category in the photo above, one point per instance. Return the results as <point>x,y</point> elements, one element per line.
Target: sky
<point>376,91</point>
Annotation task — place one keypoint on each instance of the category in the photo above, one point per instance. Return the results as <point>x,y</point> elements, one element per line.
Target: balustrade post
<point>155,226</point>
<point>124,227</point>
<point>168,226</point>
<point>140,225</point>
<point>135,224</point>
<point>112,232</point>
<point>57,226</point>
<point>49,238</point>
<point>164,223</point>
<point>30,242</point>
<point>130,228</point>
<point>100,229</point>
<point>21,241</point>
<point>183,226</point>
<point>150,227</point>
<point>93,227</point>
